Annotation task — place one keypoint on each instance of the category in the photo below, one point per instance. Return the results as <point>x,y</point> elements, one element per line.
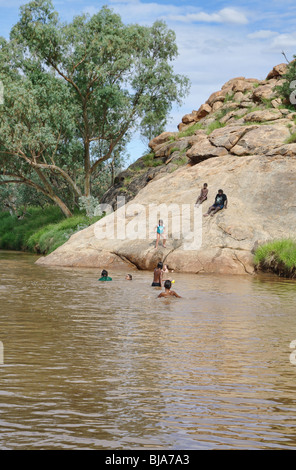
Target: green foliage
<point>40,230</point>
<point>214,125</point>
<point>278,256</point>
<point>50,237</point>
<point>267,102</point>
<point>150,161</point>
<point>229,97</point>
<point>14,232</point>
<point>190,130</point>
<point>285,89</point>
<point>75,92</point>
<point>291,139</point>
<point>181,161</point>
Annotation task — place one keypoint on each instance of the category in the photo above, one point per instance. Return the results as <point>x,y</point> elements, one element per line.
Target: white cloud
<point>135,10</point>
<point>262,34</point>
<point>282,41</point>
<point>226,15</point>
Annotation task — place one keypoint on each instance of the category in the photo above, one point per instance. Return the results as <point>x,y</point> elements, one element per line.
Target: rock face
<point>236,141</point>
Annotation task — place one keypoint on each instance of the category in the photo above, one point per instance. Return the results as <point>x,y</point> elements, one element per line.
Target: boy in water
<point>157,277</point>
<point>168,292</point>
<point>203,195</point>
<point>160,229</point>
<point>220,203</point>
<point>129,277</point>
<point>104,276</point>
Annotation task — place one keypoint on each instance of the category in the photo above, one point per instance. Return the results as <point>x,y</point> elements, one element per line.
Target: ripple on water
<point>111,366</point>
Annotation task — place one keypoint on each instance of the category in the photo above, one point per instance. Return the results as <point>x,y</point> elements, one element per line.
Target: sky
<point>217,40</point>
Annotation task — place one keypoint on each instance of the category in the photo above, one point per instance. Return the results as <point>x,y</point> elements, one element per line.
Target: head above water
<point>104,273</point>
<point>167,284</point>
<point>129,277</point>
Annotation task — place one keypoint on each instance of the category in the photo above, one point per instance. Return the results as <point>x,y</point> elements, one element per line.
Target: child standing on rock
<point>160,232</point>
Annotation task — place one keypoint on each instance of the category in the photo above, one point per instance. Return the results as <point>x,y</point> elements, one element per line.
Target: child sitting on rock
<point>203,195</point>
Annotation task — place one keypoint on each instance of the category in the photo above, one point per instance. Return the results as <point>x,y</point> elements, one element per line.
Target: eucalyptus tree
<point>38,143</point>
<point>117,77</point>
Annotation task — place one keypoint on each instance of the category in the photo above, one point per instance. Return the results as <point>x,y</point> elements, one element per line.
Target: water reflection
<point>109,366</point>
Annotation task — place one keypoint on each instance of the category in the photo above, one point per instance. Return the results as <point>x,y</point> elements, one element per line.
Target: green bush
<point>278,256</point>
<point>50,237</point>
<point>40,230</point>
<point>15,232</point>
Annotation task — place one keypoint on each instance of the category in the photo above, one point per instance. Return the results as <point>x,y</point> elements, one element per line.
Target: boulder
<point>261,139</point>
<point>264,92</point>
<point>277,71</point>
<point>203,111</point>
<point>217,96</point>
<point>255,212</point>
<point>263,116</point>
<point>229,136</point>
<point>188,118</point>
<point>161,139</point>
<point>203,150</point>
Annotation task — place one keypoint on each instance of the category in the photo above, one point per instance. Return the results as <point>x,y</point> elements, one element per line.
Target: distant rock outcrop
<point>241,140</point>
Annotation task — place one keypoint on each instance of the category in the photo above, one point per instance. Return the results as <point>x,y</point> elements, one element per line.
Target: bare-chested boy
<point>168,292</point>
<point>203,195</point>
<point>157,275</point>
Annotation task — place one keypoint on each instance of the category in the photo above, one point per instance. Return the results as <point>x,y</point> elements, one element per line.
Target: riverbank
<point>278,256</point>
<point>39,230</point>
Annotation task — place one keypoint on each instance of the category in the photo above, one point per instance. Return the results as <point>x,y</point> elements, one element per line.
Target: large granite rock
<point>240,140</point>
<point>261,193</point>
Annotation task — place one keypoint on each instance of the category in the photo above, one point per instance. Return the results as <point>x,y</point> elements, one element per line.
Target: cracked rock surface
<point>249,155</point>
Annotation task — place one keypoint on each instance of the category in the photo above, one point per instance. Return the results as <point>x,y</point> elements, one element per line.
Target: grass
<point>278,256</point>
<point>15,232</point>
<point>191,130</point>
<point>181,161</point>
<point>291,139</point>
<point>41,230</point>
<point>214,125</point>
<point>150,161</point>
<point>229,97</point>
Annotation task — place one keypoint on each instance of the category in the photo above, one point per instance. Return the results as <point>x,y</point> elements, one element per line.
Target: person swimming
<point>168,292</point>
<point>104,276</point>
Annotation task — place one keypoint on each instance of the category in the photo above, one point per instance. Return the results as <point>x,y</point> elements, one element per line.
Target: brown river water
<point>91,365</point>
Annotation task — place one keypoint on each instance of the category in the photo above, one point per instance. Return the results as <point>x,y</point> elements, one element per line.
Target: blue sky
<point>217,40</point>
